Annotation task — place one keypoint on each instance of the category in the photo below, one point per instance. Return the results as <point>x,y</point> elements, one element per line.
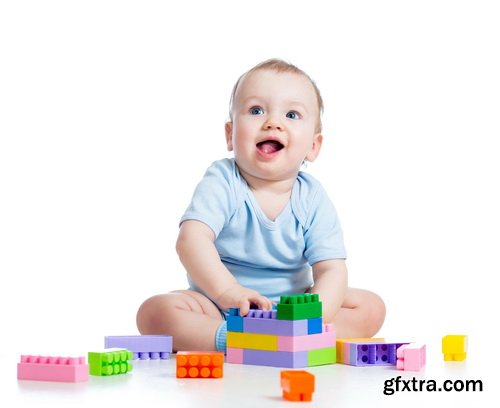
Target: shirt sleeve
<point>323,233</point>
<point>214,198</point>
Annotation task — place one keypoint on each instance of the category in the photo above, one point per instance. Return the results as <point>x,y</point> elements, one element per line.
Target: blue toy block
<point>315,325</point>
<point>234,321</point>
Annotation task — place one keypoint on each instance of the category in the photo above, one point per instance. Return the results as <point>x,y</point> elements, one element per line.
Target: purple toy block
<point>265,322</point>
<point>275,358</point>
<point>143,347</point>
<point>379,354</point>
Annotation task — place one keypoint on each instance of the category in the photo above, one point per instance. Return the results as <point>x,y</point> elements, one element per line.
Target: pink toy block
<point>411,357</point>
<point>309,342</point>
<point>234,355</point>
<point>61,369</point>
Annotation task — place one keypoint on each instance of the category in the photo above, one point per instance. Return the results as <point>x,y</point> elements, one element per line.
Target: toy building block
<point>321,356</point>
<point>324,339</point>
<point>199,364</point>
<point>234,355</point>
<point>296,307</point>
<point>60,369</point>
<point>110,362</point>
<point>411,357</point>
<point>252,341</point>
<point>315,325</point>
<point>144,347</point>
<point>234,321</point>
<point>297,385</point>
<point>265,322</point>
<point>369,353</point>
<point>286,359</point>
<point>455,347</point>
<point>344,346</point>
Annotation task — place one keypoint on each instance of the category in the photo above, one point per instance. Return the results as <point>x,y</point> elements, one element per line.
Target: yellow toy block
<point>454,347</point>
<point>252,341</point>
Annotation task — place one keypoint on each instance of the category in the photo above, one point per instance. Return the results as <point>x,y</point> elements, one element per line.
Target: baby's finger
<point>262,302</point>
<point>244,306</point>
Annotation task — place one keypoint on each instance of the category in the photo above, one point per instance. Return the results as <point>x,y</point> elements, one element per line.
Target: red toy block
<point>199,364</point>
<point>60,369</point>
<point>297,385</point>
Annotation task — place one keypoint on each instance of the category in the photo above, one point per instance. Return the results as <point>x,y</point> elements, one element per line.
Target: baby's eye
<point>293,115</point>
<point>256,110</point>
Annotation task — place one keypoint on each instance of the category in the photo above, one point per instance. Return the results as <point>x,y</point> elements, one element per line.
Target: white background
<point>110,112</point>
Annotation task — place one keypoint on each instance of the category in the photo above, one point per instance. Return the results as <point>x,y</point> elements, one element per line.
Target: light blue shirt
<point>271,257</point>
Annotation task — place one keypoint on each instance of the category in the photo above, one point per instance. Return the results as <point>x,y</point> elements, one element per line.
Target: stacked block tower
<point>293,336</point>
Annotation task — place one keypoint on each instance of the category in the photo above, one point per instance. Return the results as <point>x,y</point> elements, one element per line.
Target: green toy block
<point>110,362</point>
<point>298,307</point>
<point>322,356</point>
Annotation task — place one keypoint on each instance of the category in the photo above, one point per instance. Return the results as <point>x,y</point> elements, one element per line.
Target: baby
<point>257,227</point>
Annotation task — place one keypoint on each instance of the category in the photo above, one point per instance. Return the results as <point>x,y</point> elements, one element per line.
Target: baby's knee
<point>375,313</point>
<point>155,312</point>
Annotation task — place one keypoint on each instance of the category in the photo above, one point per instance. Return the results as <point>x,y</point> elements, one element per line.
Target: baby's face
<point>273,128</point>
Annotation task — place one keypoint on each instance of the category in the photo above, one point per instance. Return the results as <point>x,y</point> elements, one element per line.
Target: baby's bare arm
<point>197,252</point>
<point>330,282</point>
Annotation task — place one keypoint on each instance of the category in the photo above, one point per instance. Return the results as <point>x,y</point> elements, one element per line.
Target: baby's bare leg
<point>190,317</point>
<point>361,315</point>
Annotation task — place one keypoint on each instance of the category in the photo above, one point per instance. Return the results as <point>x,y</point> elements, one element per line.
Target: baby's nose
<point>273,124</point>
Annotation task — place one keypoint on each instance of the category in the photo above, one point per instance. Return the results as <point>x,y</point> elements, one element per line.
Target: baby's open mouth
<point>270,146</point>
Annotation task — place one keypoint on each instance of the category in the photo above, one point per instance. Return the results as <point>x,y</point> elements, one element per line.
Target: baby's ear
<point>315,148</point>
<point>229,135</point>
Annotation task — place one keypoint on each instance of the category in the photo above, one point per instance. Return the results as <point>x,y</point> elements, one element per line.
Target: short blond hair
<point>279,65</point>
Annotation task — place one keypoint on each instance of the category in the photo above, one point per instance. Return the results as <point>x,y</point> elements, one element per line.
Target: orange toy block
<point>199,364</point>
<point>297,385</point>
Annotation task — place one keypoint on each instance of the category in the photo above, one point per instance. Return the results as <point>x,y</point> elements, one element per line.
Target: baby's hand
<point>241,297</point>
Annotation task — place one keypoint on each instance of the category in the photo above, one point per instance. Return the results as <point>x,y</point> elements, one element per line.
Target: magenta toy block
<point>234,321</point>
<point>61,369</point>
<point>234,355</point>
<point>275,358</point>
<point>411,357</point>
<point>265,322</point>
<point>143,347</point>
<point>308,342</point>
